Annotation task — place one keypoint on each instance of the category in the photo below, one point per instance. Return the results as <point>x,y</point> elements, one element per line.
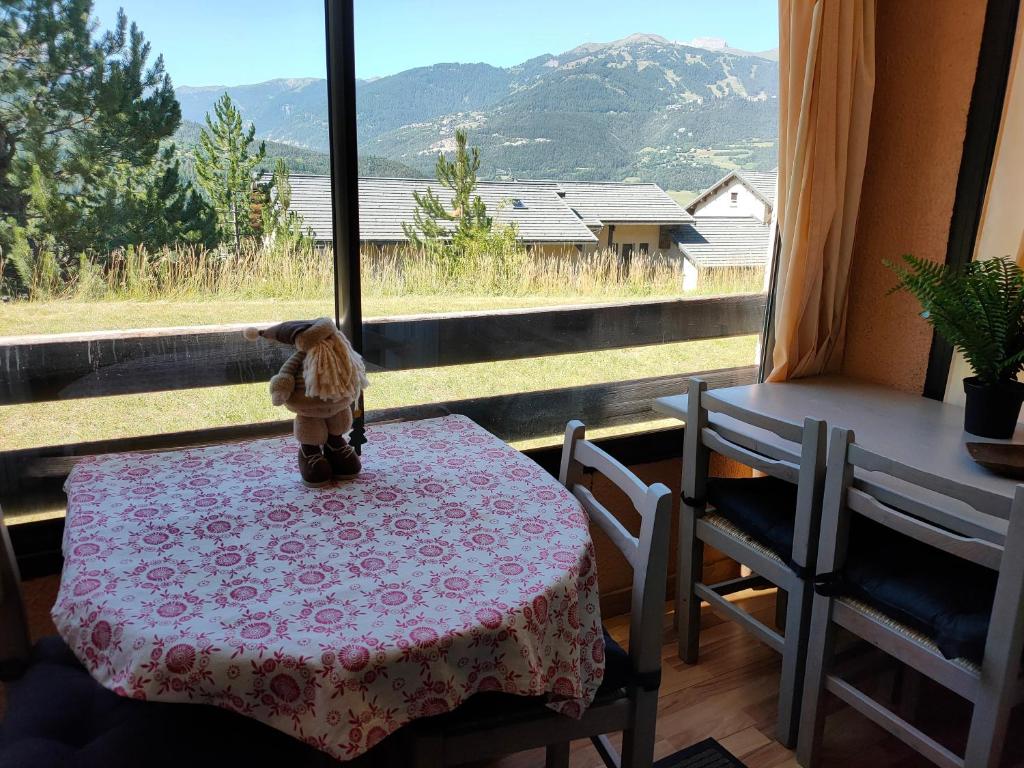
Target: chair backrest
<point>934,510</point>
<point>646,553</point>
<point>14,638</point>
<point>791,452</point>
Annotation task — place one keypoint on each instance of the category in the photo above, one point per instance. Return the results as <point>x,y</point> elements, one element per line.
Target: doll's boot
<point>342,457</point>
<point>314,467</point>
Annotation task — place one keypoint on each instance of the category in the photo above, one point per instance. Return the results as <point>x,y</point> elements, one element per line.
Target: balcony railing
<point>104,363</point>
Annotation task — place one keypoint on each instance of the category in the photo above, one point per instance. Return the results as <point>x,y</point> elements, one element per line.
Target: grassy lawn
<point>682,196</point>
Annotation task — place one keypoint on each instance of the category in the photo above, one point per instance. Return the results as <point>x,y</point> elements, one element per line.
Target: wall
<point>559,250</point>
<point>927,52</point>
<point>747,204</point>
<point>632,233</point>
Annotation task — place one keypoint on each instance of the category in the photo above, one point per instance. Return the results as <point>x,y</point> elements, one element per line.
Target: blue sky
<point>230,42</point>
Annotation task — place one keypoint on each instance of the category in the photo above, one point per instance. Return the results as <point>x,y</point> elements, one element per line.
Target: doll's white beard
<point>333,371</point>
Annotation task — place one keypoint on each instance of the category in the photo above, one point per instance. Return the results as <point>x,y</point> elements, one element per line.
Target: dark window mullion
<point>341,111</point>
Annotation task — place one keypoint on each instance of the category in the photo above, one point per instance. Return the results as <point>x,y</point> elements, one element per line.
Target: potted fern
<point>979,309</point>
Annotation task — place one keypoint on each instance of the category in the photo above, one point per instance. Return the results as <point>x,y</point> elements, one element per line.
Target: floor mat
<point>705,754</point>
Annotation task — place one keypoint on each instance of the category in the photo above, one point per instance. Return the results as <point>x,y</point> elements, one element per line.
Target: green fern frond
<point>978,308</point>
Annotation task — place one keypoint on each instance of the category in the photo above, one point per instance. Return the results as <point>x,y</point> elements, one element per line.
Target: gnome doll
<point>319,384</point>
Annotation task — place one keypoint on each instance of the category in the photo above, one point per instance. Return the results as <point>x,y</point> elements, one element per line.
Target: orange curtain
<point>827,76</point>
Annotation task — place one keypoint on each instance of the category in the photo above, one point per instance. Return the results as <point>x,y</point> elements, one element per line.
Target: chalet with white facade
<point>731,227</point>
<point>743,194</point>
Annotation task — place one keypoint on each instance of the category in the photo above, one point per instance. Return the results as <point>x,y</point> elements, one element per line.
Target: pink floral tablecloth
<point>452,565</point>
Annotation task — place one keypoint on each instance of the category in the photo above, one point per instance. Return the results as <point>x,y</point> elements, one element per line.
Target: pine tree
<point>85,123</point>
<point>152,208</point>
<point>468,211</point>
<point>224,166</point>
<point>73,105</point>
<point>276,220</point>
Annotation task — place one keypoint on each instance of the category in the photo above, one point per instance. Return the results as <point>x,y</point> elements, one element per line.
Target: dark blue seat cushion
<point>944,597</point>
<point>618,671</point>
<point>58,716</point>
<point>764,508</point>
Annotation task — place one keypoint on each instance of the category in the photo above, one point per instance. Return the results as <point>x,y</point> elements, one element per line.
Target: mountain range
<point>640,108</point>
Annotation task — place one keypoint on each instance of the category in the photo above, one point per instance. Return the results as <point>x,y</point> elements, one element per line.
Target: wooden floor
<point>730,696</point>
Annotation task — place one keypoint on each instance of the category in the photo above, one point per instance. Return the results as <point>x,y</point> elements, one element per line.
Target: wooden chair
<point>769,524</point>
<point>907,563</point>
<point>490,725</point>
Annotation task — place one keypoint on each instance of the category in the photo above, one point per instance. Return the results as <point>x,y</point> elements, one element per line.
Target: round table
<point>452,565</point>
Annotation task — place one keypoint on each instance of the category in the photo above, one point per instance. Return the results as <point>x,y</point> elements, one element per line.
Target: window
<point>734,198</point>
<point>172,235</point>
<point>572,188</point>
<point>489,312</point>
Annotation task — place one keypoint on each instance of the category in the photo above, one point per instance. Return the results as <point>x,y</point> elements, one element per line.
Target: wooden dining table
<point>914,430</point>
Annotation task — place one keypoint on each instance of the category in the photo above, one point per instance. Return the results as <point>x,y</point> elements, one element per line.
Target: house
<point>627,218</point>
<point>738,193</point>
<point>719,243</point>
<point>550,216</point>
<point>731,227</point>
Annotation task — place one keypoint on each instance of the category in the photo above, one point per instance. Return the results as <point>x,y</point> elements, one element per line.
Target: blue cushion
<point>618,670</point>
<point>764,508</point>
<point>59,717</point>
<point>944,597</point>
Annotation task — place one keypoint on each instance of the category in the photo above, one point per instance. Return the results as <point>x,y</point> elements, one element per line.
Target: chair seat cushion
<point>764,508</point>
<point>944,597</point>
<point>57,715</point>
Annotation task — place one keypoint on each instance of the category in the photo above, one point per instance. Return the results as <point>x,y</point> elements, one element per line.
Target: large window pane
<point>159,199</point>
<point>520,159</point>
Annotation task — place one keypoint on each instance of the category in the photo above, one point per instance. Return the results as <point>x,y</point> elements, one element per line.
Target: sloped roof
<point>613,202</point>
<point>311,199</point>
<point>539,214</point>
<point>761,183</point>
<point>544,211</point>
<point>724,241</point>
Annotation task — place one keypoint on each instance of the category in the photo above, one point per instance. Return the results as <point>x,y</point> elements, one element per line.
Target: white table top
<point>914,430</point>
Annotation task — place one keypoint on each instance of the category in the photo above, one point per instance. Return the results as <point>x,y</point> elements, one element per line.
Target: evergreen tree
<point>224,165</point>
<point>151,208</point>
<point>81,113</point>
<point>277,221</point>
<point>468,211</point>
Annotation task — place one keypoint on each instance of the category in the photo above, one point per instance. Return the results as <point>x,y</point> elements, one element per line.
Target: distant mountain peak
<point>707,43</point>
<point>639,107</point>
<point>720,45</point>
<point>638,38</point>
<point>279,83</point>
